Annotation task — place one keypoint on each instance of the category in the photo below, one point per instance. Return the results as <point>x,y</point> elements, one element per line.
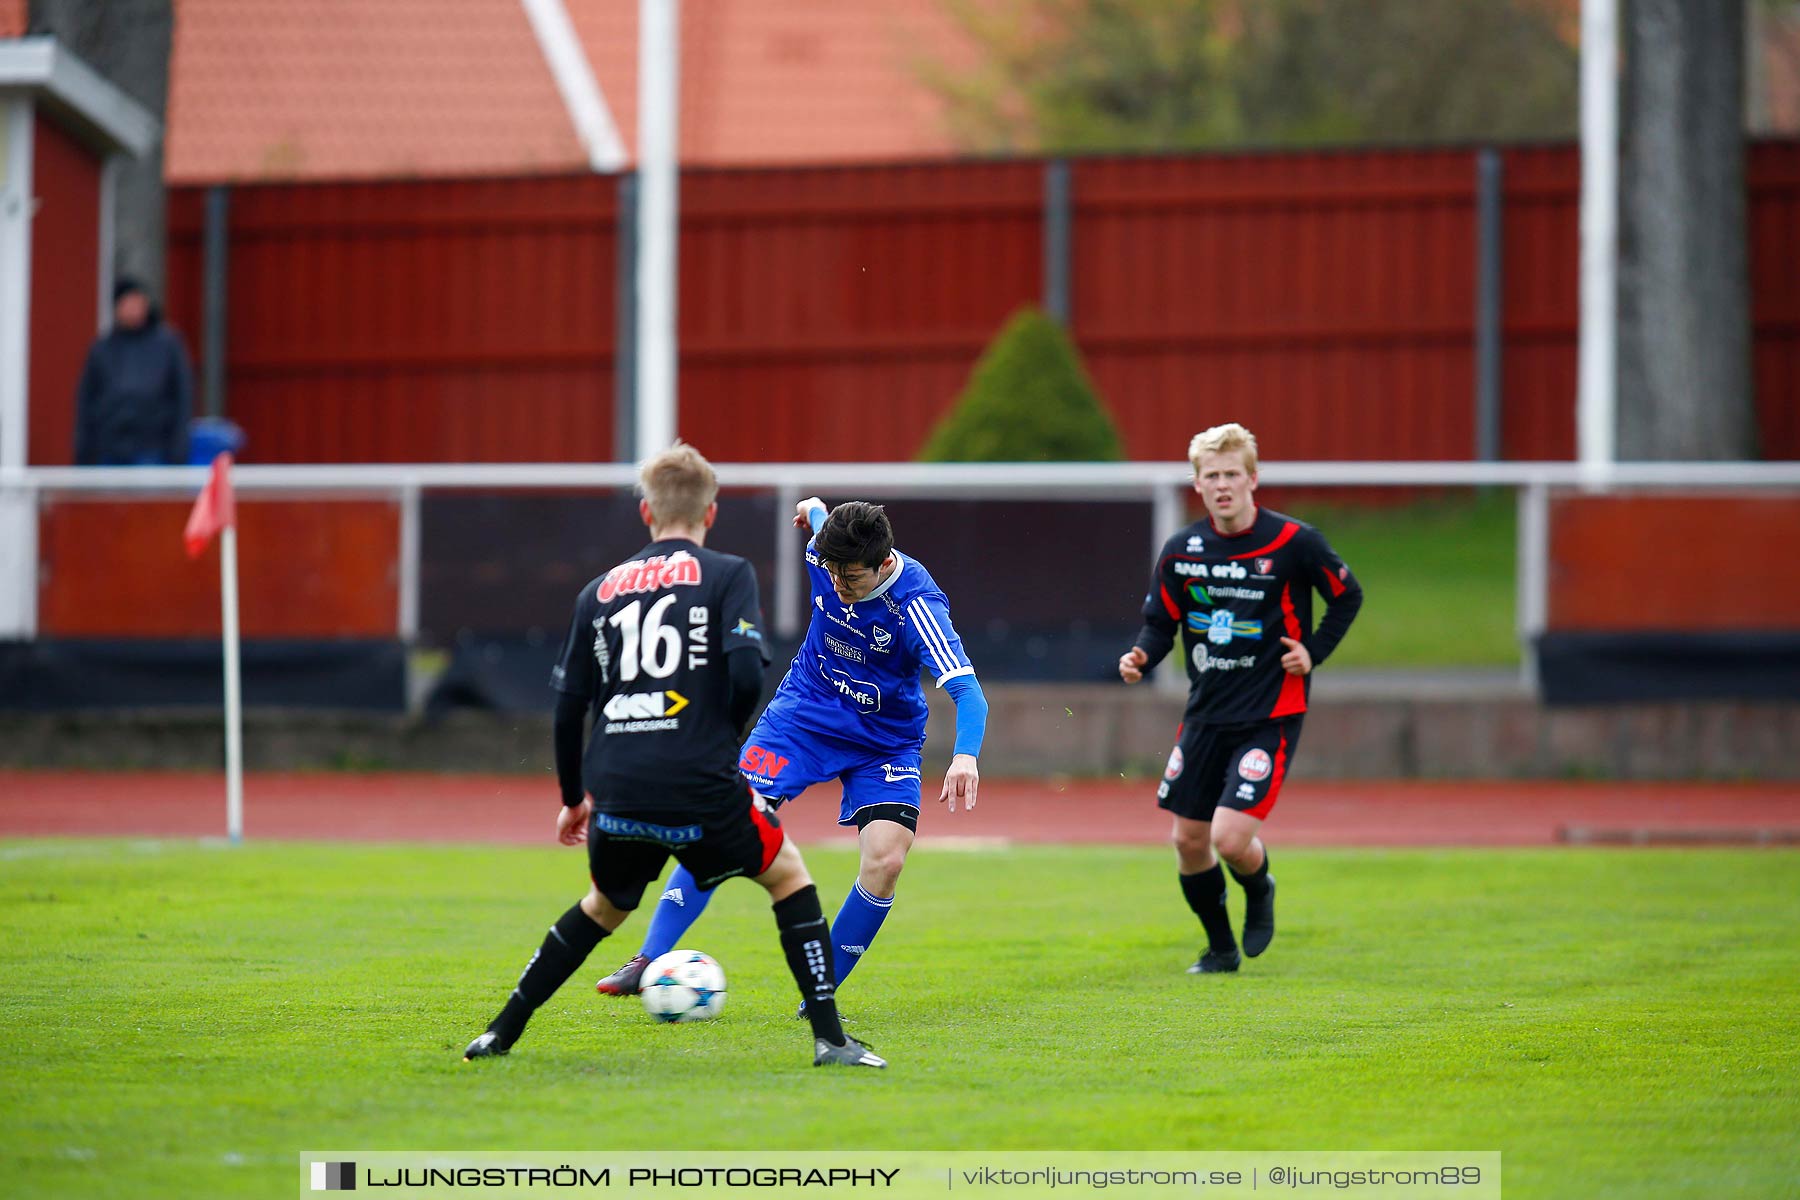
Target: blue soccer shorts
<point>781,762</point>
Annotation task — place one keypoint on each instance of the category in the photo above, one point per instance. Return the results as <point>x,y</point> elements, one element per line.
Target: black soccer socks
<point>805,939</point>
<point>565,948</point>
<point>1205,892</point>
<point>1257,882</point>
<point>1259,906</point>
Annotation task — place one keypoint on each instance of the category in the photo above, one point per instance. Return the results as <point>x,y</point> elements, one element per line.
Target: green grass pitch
<point>183,1020</point>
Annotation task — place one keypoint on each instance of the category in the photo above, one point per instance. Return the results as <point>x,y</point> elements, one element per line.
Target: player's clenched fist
<point>1131,664</point>
<point>1297,660</point>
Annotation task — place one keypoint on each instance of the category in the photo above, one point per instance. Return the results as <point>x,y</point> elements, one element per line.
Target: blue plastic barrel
<point>209,437</point>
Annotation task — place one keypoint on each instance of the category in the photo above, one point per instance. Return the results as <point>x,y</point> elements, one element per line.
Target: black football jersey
<point>647,648</point>
<point>1233,598</point>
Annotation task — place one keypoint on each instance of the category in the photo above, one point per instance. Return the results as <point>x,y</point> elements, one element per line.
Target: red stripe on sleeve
<point>1169,603</point>
<point>1333,582</point>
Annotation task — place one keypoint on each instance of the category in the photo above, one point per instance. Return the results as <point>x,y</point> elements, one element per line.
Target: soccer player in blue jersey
<point>850,708</point>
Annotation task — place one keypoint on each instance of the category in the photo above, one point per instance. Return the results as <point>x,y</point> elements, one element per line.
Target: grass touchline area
<point>187,1019</point>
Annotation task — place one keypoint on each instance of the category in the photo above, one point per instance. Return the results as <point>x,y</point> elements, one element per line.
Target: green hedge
<point>1028,400</point>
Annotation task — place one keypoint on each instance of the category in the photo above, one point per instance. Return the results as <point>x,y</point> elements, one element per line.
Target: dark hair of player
<point>856,533</point>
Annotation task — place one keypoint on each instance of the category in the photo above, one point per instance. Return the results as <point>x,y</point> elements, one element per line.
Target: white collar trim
<point>891,580</point>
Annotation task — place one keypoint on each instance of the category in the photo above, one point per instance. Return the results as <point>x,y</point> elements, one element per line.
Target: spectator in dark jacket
<point>137,389</point>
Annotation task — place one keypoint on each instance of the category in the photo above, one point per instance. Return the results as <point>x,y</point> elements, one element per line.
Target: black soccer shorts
<point>627,849</point>
<point>1239,767</point>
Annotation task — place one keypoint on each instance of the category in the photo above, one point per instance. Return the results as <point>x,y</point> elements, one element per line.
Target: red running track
<point>521,809</point>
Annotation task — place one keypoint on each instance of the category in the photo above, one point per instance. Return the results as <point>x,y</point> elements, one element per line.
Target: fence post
<point>1489,302</point>
<point>1058,235</point>
<point>19,565</point>
<point>1168,515</point>
<point>406,620</point>
<point>1533,576</point>
<point>216,301</point>
<point>625,320</point>
<point>789,571</point>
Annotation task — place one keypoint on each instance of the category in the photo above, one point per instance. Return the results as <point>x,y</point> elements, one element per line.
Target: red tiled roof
<point>1781,73</point>
<point>782,81</point>
<point>283,89</point>
<point>333,88</point>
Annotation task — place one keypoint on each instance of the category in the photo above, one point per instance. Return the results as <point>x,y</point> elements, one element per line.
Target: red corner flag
<point>214,509</point>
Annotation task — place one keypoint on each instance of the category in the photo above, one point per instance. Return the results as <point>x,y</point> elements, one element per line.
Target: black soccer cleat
<point>488,1045</point>
<point>625,981</point>
<point>851,1054</point>
<point>1215,963</point>
<point>1259,920</point>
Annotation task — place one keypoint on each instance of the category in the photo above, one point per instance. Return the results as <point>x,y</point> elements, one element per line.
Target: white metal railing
<point>1084,480</point>
<point>1160,484</point>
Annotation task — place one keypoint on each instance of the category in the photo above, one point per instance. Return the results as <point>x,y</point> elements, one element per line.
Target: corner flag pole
<point>215,511</point>
<point>234,706</point>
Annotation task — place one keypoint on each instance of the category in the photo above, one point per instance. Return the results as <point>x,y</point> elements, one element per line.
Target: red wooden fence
<point>413,322</point>
<point>1326,299</point>
<point>65,257</point>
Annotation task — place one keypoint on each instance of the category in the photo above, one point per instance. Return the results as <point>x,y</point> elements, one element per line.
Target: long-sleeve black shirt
<point>1234,597</point>
<point>653,647</point>
<point>135,398</point>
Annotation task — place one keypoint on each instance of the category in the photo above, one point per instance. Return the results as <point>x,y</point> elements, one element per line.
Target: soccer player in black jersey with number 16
<point>1239,587</point>
<point>666,650</point>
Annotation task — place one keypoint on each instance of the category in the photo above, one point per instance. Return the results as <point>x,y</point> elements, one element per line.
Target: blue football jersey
<point>856,676</point>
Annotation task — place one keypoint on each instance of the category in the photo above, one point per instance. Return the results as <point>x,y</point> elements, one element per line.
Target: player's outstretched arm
<point>963,778</point>
<point>803,513</point>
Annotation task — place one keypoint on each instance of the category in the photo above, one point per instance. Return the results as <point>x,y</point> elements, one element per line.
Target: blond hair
<point>1223,439</point>
<point>679,484</point>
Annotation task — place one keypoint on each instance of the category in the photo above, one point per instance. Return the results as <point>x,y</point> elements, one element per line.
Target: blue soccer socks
<point>855,927</point>
<point>857,923</point>
<point>681,905</point>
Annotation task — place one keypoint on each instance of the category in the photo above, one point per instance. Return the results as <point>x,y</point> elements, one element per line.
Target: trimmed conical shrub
<point>1028,400</point>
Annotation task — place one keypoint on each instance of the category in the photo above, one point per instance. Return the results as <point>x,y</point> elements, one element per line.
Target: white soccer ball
<point>684,985</point>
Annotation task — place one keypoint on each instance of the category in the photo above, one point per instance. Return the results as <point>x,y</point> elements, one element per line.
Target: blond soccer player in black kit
<point>1239,587</point>
<point>666,650</point>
